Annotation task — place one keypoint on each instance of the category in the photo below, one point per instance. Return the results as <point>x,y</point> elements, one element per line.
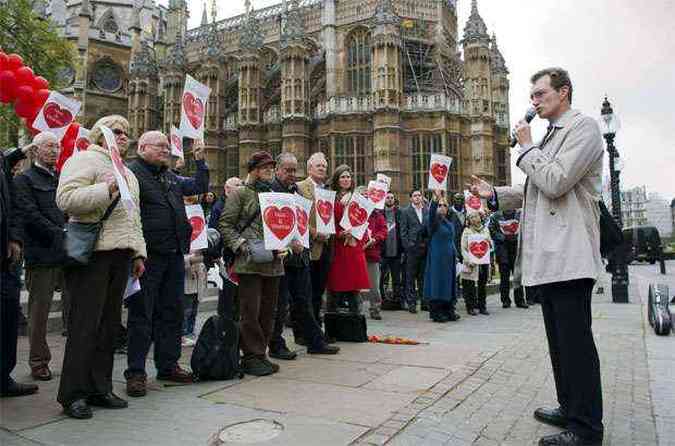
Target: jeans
<point>190,304</point>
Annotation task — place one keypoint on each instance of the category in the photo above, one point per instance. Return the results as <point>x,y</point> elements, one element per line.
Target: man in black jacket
<point>43,222</point>
<point>390,265</point>
<point>504,227</point>
<point>413,220</point>
<point>156,313</point>
<point>295,287</point>
<point>11,246</point>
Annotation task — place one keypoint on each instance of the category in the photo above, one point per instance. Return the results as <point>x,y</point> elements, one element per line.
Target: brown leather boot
<point>136,386</point>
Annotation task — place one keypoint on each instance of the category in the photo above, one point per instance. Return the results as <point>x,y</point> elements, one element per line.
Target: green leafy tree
<point>37,41</point>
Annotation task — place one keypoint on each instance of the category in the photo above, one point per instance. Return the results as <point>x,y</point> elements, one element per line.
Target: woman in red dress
<point>348,273</point>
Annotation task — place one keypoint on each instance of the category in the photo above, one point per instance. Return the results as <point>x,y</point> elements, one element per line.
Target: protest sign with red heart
<point>479,249</point>
<point>357,214</point>
<point>55,116</point>
<point>509,227</point>
<point>439,171</point>
<point>325,210</point>
<point>302,217</point>
<point>439,165</point>
<point>197,224</point>
<point>473,202</point>
<point>194,109</point>
<point>280,221</point>
<point>82,144</point>
<point>195,215</point>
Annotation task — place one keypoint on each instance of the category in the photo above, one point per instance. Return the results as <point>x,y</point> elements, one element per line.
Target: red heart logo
<point>82,144</point>
<point>194,109</point>
<point>510,227</point>
<point>439,171</point>
<point>279,221</point>
<point>479,249</point>
<point>357,215</point>
<point>325,210</point>
<point>301,215</point>
<point>55,116</point>
<point>473,202</point>
<point>177,143</point>
<point>376,195</point>
<point>197,224</point>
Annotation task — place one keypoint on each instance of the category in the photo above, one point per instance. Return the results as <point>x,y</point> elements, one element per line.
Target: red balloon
<point>40,83</point>
<point>26,94</point>
<point>23,108</point>
<point>3,61</point>
<point>14,62</point>
<point>7,86</point>
<point>41,97</point>
<point>25,76</point>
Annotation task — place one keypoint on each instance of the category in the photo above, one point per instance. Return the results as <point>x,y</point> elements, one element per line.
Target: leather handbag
<point>81,238</point>
<point>257,252</point>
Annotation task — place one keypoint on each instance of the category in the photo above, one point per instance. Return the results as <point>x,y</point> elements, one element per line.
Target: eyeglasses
<point>442,205</point>
<point>119,132</point>
<point>162,147</point>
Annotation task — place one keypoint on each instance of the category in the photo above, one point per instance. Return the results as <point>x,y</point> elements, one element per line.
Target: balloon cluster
<point>28,93</point>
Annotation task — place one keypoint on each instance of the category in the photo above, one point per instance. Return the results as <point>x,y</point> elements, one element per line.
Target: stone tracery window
<point>354,150</point>
<point>421,148</point>
<point>358,63</point>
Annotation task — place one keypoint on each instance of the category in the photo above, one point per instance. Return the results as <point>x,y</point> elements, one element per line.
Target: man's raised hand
<point>480,188</point>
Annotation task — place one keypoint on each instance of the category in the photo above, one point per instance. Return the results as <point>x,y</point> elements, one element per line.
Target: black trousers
<point>505,270</point>
<point>10,290</point>
<point>156,315</point>
<point>390,267</point>
<point>228,301</point>
<point>319,276</point>
<point>95,316</point>
<point>475,292</point>
<point>295,290</point>
<point>414,277</point>
<point>566,307</point>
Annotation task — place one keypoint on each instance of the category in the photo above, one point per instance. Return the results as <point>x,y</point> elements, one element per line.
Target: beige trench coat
<point>559,238</point>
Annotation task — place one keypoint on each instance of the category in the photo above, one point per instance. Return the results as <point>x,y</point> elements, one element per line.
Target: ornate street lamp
<point>609,124</point>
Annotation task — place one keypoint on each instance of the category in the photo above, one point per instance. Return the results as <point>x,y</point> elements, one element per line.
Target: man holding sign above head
<point>156,314</point>
<point>259,269</point>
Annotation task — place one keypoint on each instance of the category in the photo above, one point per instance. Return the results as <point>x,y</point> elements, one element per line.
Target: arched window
<point>358,63</point>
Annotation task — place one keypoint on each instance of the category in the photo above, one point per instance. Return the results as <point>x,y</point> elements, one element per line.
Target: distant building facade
<point>659,214</point>
<point>633,206</point>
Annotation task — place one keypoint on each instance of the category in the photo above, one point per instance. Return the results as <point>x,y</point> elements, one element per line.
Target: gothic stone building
<point>376,84</point>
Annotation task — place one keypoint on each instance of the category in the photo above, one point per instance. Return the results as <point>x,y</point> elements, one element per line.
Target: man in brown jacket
<point>559,249</point>
<point>320,257</point>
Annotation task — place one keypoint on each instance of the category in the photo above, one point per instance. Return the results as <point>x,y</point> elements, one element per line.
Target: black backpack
<point>216,354</point>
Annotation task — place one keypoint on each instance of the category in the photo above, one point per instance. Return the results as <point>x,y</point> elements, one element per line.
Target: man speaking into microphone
<point>559,248</point>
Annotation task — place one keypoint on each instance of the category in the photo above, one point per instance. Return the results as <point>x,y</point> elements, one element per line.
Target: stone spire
<point>85,9</point>
<point>292,27</point>
<point>385,14</point>
<point>205,19</point>
<point>176,58</point>
<point>136,24</point>
<point>143,62</point>
<point>475,29</point>
<point>251,37</point>
<point>497,62</point>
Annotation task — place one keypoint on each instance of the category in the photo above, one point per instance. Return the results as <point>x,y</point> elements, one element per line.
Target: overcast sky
<point>622,48</point>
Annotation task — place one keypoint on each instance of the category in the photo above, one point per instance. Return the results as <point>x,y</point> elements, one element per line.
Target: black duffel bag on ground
<point>216,354</point>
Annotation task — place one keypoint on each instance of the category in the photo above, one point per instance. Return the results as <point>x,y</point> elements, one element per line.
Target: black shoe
<point>324,350</point>
<point>275,367</point>
<point>375,315</point>
<point>506,304</point>
<point>78,409</point>
<point>17,389</point>
<point>567,438</point>
<point>284,354</point>
<point>554,417</point>
<point>530,302</point>
<point>109,401</point>
<point>329,339</point>
<point>300,341</point>
<point>256,366</point>
<point>424,307</point>
<point>522,305</point>
<point>412,310</point>
<point>472,312</point>
<point>441,319</point>
<point>484,312</point>
<point>453,317</point>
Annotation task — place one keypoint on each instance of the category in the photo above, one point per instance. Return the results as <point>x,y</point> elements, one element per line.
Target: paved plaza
<point>474,382</point>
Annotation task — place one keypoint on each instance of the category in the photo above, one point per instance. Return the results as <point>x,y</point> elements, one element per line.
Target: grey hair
<point>232,182</point>
<point>44,137</point>
<point>314,157</point>
<point>286,157</point>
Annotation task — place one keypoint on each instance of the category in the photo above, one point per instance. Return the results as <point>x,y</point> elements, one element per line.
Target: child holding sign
<point>476,247</point>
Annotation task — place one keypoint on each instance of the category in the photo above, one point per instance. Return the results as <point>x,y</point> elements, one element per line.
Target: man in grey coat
<point>559,249</point>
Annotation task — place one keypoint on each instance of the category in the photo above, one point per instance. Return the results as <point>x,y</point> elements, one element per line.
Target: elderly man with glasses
<point>156,313</point>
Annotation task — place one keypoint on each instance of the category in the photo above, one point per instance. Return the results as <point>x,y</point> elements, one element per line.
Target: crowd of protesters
<point>410,256</point>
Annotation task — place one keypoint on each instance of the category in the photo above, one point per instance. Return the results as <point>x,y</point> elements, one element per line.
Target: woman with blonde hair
<point>87,191</point>
<point>348,272</point>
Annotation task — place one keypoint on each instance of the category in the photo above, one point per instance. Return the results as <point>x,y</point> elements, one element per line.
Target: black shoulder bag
<point>81,238</point>
<point>228,254</point>
<point>611,236</point>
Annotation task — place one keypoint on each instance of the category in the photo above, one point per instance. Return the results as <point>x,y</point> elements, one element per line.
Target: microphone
<point>529,116</point>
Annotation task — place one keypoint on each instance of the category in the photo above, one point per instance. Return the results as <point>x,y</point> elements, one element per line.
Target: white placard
<point>193,108</point>
<point>56,114</point>
<point>478,249</point>
<point>439,166</point>
<point>176,142</point>
<point>472,203</point>
<point>303,209</point>
<point>509,227</point>
<point>195,215</point>
<point>119,169</point>
<point>82,141</point>
<point>278,218</point>
<point>384,179</point>
<point>355,216</point>
<point>377,192</point>
<point>324,205</point>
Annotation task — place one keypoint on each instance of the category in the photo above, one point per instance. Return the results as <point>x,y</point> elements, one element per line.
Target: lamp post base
<point>620,288</point>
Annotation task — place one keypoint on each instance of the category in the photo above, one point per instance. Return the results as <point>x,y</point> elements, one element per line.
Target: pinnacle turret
<point>251,37</point>
<point>293,27</point>
<point>475,29</point>
<point>385,13</point>
<point>497,62</point>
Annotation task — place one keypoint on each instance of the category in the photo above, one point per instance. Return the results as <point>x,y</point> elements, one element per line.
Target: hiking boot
<point>41,373</point>
<point>136,386</point>
<point>256,366</point>
<point>177,375</point>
